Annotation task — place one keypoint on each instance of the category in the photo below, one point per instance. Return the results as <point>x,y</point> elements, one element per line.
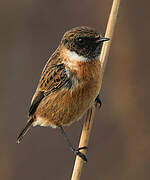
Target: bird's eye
<point>80,41</point>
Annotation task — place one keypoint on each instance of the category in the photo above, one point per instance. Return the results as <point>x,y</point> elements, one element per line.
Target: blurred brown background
<point>119,148</point>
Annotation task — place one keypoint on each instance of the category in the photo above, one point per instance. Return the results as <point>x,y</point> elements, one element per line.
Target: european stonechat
<point>70,83</point>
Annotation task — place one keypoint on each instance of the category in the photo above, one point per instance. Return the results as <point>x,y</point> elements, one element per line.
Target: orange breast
<point>67,105</point>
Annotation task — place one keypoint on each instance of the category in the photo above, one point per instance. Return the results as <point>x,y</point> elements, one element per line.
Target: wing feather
<point>53,78</point>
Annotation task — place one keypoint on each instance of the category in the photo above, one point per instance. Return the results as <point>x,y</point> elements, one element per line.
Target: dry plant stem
<point>109,34</point>
<point>90,113</point>
<point>84,140</point>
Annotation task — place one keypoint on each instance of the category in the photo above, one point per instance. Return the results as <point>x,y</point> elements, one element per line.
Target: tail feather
<point>25,130</point>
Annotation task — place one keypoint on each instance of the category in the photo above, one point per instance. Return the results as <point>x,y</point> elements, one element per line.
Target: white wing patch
<point>72,65</point>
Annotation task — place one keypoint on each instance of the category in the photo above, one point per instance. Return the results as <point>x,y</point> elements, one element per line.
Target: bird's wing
<point>53,78</point>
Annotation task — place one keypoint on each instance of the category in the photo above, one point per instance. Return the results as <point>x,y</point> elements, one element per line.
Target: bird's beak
<point>102,39</point>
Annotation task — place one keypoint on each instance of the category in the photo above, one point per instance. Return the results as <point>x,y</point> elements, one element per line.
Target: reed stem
<point>86,131</point>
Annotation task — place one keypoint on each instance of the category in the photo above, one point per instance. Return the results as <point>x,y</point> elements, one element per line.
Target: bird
<point>69,84</point>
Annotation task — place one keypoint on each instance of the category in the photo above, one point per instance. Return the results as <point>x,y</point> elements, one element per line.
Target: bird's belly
<point>65,107</point>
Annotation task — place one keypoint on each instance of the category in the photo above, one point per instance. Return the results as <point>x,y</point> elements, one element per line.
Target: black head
<point>84,41</point>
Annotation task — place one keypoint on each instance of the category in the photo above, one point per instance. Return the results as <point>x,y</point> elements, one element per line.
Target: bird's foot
<point>78,153</point>
<point>98,102</point>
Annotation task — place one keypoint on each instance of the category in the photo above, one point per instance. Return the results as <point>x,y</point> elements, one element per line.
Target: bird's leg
<point>98,101</point>
<point>76,151</point>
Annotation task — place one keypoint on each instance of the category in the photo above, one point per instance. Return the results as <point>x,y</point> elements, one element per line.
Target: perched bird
<point>69,83</point>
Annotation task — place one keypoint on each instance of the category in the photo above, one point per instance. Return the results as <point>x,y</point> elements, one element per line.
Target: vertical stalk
<point>86,131</point>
